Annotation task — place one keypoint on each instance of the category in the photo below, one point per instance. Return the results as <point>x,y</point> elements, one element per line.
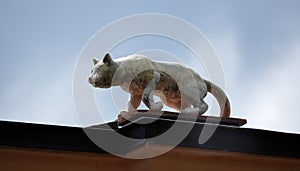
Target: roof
<point>225,138</point>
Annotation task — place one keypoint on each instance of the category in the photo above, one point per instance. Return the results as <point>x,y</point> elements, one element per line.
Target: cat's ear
<point>95,61</point>
<point>107,60</point>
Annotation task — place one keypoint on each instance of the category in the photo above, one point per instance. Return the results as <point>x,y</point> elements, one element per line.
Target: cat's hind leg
<point>199,107</point>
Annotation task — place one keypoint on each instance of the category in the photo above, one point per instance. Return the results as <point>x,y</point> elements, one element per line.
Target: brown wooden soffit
<point>180,158</point>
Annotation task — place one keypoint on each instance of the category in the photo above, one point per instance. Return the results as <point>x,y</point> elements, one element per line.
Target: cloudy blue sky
<point>258,43</point>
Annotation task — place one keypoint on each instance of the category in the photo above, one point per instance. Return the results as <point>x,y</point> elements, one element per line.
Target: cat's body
<point>178,86</point>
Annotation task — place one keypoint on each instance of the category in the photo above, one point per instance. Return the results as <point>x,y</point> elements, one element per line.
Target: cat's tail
<point>221,97</point>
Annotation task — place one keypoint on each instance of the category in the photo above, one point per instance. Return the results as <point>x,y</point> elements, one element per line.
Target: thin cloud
<point>272,99</point>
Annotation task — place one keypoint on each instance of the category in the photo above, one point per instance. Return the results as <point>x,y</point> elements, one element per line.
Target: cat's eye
<point>92,71</point>
<point>98,70</point>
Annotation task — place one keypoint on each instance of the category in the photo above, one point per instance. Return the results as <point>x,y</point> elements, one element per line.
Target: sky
<point>258,43</point>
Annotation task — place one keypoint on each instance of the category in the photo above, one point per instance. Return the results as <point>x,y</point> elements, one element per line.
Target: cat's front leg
<point>132,105</point>
<point>134,102</point>
<point>148,93</point>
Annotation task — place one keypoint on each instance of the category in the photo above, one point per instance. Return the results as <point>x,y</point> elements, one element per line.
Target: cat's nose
<point>90,80</point>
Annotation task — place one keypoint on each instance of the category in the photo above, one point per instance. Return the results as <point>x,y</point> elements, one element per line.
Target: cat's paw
<point>157,106</point>
<point>190,110</point>
<point>123,116</point>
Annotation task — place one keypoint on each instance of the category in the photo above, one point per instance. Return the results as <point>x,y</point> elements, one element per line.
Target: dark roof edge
<point>243,140</point>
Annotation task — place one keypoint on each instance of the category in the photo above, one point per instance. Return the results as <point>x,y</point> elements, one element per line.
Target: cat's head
<point>102,72</point>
